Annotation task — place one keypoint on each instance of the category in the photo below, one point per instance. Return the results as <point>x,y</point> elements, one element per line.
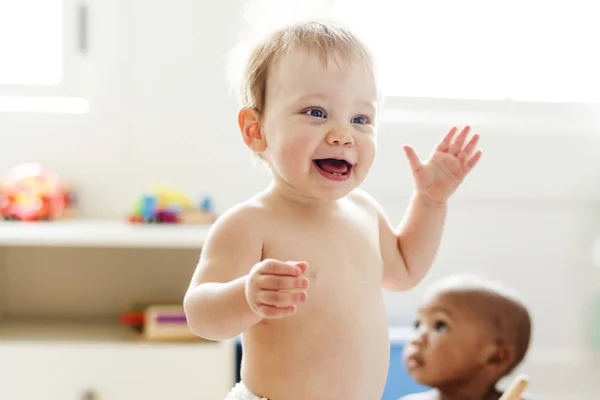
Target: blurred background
<point>115,96</point>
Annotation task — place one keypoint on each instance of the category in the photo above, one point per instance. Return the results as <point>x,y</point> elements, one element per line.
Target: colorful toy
<point>32,193</point>
<point>159,322</point>
<point>167,206</point>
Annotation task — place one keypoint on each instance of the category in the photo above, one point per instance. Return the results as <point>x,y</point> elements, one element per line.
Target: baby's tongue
<point>333,166</point>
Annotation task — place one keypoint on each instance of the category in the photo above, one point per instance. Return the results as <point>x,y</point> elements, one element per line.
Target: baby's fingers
<point>279,304</point>
<point>274,267</point>
<point>282,299</point>
<point>276,282</point>
<point>267,311</point>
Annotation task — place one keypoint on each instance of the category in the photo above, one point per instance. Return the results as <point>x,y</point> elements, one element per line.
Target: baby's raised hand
<point>274,288</point>
<point>451,161</point>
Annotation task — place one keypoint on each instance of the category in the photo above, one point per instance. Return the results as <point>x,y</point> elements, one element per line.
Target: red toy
<point>31,193</point>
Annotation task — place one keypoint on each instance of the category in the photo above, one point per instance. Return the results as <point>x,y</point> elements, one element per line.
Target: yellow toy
<point>166,205</point>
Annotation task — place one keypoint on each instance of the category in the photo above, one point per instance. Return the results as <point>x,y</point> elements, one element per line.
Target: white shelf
<point>102,233</point>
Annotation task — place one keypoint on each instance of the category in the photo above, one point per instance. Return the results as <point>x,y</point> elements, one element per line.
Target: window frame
<point>70,94</point>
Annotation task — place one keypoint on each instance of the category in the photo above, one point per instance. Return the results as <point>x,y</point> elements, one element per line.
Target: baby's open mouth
<point>414,360</point>
<point>333,166</point>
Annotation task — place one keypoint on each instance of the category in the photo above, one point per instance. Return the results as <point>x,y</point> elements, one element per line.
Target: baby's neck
<point>284,194</point>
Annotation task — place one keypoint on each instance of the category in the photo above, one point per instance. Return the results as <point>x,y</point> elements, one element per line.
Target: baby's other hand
<point>274,288</point>
<point>451,161</point>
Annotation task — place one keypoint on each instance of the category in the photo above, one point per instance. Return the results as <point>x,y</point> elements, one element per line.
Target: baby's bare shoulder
<point>251,213</point>
<point>365,201</point>
<point>361,197</point>
<point>234,243</point>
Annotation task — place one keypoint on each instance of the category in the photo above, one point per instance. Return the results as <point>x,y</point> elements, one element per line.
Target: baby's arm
<point>215,303</point>
<point>409,250</point>
<point>416,239</point>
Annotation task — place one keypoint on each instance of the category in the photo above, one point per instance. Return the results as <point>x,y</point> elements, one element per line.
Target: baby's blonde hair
<point>330,41</point>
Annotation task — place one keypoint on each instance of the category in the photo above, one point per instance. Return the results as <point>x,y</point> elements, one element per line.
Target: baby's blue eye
<point>417,324</point>
<point>441,326</point>
<point>315,112</point>
<point>361,120</point>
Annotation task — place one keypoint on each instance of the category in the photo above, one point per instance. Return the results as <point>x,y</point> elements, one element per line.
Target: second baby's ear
<point>249,123</point>
<point>500,358</point>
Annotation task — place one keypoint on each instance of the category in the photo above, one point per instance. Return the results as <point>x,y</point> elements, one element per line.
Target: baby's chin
<point>426,378</point>
<point>310,191</point>
<point>316,187</point>
<point>336,192</point>
<point>327,192</point>
<point>329,195</point>
<point>419,373</point>
<point>422,379</point>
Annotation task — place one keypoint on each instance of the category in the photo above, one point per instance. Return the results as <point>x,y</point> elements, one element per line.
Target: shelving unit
<point>27,330</point>
<point>98,233</point>
<point>63,286</point>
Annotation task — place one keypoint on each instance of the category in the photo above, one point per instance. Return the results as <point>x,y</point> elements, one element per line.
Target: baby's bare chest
<point>340,251</point>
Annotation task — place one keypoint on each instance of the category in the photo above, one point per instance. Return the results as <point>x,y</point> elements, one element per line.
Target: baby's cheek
<point>367,150</point>
<point>445,351</point>
<point>297,149</point>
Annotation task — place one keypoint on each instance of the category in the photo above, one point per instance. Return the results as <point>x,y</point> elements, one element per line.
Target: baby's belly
<point>341,352</point>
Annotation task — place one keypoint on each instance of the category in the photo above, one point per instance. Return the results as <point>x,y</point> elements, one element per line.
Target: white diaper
<point>241,392</point>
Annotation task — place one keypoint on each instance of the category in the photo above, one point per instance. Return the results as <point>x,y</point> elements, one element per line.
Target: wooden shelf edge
<point>29,330</point>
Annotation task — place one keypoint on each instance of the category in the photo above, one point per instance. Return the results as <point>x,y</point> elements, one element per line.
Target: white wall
<point>161,113</point>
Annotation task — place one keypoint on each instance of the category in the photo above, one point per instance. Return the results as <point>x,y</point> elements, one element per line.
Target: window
<point>42,66</point>
<point>31,42</point>
<point>524,50</point>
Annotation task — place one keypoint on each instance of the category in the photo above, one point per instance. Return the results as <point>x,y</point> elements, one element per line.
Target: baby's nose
<point>419,337</point>
<point>340,137</point>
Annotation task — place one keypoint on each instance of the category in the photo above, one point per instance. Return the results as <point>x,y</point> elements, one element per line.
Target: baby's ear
<point>249,123</point>
<point>500,357</point>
